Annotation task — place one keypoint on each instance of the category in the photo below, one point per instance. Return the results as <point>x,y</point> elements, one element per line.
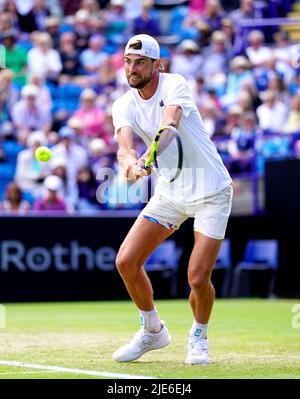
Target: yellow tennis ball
<point>43,154</point>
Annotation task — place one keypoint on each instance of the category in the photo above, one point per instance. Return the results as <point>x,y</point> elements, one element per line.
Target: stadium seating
<point>259,256</point>
<point>7,172</point>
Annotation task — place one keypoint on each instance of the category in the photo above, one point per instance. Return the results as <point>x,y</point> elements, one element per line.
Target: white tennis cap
<point>150,47</point>
<point>53,183</point>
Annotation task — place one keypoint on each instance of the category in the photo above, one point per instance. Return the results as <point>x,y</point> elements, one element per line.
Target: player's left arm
<point>171,117</point>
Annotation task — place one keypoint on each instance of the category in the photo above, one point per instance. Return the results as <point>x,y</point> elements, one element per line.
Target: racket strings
<point>168,160</point>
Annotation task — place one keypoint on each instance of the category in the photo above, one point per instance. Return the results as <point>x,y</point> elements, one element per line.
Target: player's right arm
<point>126,153</point>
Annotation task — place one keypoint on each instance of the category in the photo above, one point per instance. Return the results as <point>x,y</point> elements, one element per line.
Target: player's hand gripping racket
<point>166,153</point>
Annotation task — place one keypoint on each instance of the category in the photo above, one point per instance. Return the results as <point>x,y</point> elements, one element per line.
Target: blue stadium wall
<point>55,258</point>
<point>73,258</point>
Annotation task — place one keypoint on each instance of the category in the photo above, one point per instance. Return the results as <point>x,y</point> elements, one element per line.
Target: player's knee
<point>199,280</point>
<point>125,265</point>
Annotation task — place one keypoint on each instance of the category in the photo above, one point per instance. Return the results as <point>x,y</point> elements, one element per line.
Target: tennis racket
<point>166,154</point>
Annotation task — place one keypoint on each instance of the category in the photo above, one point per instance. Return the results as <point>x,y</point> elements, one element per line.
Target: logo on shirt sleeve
<point>161,103</point>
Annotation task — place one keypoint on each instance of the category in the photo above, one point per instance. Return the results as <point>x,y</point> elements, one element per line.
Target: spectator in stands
<point>257,52</point>
<point>43,59</point>
<point>267,72</point>
<point>11,10</point>
<point>30,173</point>
<point>99,156</point>
<point>22,14</point>
<point>212,96</point>
<point>51,201</point>
<point>283,53</point>
<point>109,130</point>
<point>69,7</point>
<point>188,61</point>
<point>15,58</point>
<point>52,138</point>
<point>59,168</point>
<point>91,116</point>
<point>242,144</point>
<point>197,6</point>
<point>292,124</point>
<point>8,94</point>
<point>216,60</point>
<point>245,101</point>
<point>87,188</point>
<point>81,29</point>
<point>228,29</point>
<point>91,6</point>
<point>13,202</point>
<point>199,92</point>
<point>52,28</point>
<point>93,57</point>
<point>233,120</point>
<point>69,54</point>
<point>147,21</point>
<point>276,83</point>
<point>272,113</point>
<point>224,131</point>
<point>133,9</point>
<point>41,12</point>
<point>239,74</point>
<point>75,157</point>
<point>230,5</point>
<point>106,80</point>
<point>28,114</point>
<point>247,10</point>
<point>213,14</point>
<point>117,29</point>
<point>76,125</point>
<point>6,22</point>
<point>44,95</point>
<point>97,25</point>
<point>210,117</point>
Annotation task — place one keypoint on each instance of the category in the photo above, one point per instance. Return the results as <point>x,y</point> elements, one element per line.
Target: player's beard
<point>139,83</point>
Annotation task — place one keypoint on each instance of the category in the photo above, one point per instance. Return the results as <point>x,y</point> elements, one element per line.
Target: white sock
<point>150,321</point>
<point>199,330</point>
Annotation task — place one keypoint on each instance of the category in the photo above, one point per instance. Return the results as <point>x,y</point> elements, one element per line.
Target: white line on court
<point>73,371</point>
<point>26,372</point>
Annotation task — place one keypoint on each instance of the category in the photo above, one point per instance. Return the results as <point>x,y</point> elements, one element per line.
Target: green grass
<point>248,339</point>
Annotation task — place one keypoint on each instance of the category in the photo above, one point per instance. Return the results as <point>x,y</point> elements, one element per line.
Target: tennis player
<point>159,99</point>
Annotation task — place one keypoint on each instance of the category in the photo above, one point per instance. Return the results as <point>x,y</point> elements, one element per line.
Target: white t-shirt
<point>272,118</point>
<point>257,56</point>
<point>203,172</point>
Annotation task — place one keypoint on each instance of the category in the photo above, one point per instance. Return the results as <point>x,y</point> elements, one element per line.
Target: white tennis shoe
<point>197,351</point>
<point>142,342</point>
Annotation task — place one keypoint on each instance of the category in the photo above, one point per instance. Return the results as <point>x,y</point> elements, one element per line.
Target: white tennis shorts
<point>210,214</point>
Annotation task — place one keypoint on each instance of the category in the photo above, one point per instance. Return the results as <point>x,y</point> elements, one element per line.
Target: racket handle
<point>147,169</point>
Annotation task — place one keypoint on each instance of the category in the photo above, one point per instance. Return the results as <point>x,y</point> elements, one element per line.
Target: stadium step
<point>293,30</point>
<point>290,28</point>
<point>293,14</point>
<point>294,35</point>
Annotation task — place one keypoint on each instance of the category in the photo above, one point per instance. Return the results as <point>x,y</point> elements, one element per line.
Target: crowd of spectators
<point>63,68</point>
